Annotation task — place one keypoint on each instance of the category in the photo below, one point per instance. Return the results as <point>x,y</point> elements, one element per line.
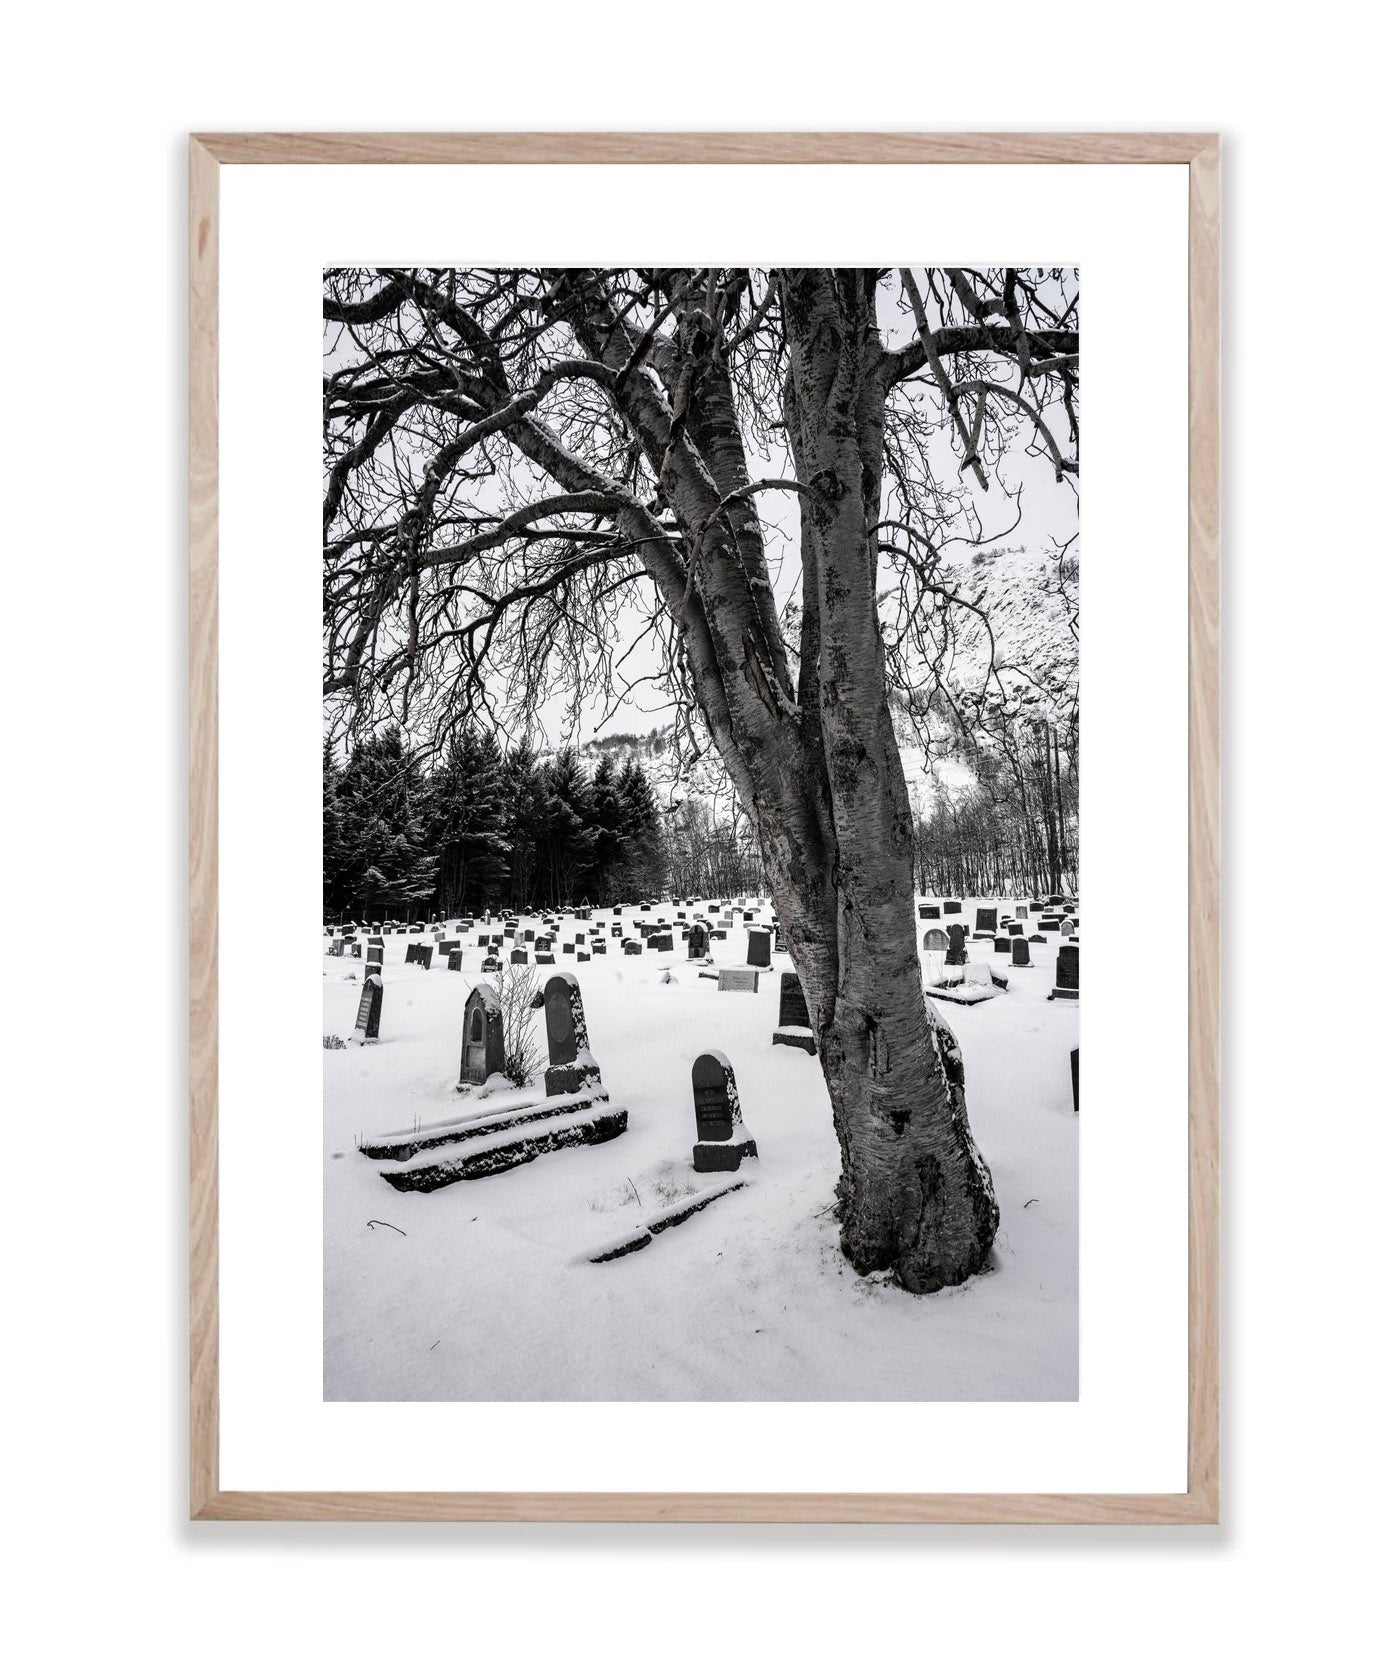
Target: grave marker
<point>794,1023</point>
<point>571,1064</point>
<point>760,954</point>
<point>1066,972</point>
<point>371,1005</point>
<point>483,1037</point>
<point>722,1139</point>
<point>738,980</point>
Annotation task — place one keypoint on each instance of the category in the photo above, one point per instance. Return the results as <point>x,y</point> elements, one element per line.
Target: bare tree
<point>520,462</point>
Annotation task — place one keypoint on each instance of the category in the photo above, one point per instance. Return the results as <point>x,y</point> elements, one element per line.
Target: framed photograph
<point>639,871</point>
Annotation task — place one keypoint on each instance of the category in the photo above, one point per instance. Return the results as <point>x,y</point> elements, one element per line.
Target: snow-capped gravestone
<point>483,1037</point>
<point>371,1005</point>
<point>986,922</point>
<point>794,1023</point>
<point>957,945</point>
<point>952,906</point>
<point>1020,953</point>
<point>1066,972</point>
<point>928,912</point>
<point>697,942</point>
<point>454,962</point>
<point>571,1063</point>
<point>722,1139</point>
<point>760,948</point>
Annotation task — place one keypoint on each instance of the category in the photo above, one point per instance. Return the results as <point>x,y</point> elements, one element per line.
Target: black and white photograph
<point>700,936</point>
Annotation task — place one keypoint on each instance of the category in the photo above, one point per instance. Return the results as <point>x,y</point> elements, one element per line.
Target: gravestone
<point>631,947</point>
<point>583,954</point>
<point>1069,927</point>
<point>760,948</point>
<point>697,942</point>
<point>952,906</point>
<point>935,940</point>
<point>738,979</point>
<point>1074,1075</point>
<point>794,1023</point>
<point>1048,924</point>
<point>519,957</point>
<point>544,959</point>
<point>600,948</point>
<point>957,945</point>
<point>1023,911</point>
<point>719,933</point>
<point>571,1064</point>
<point>986,922</point>
<point>490,963</point>
<point>722,1139</point>
<point>1066,972</point>
<point>484,939</point>
<point>454,962</point>
<point>1015,928</point>
<point>928,912</point>
<point>1001,945</point>
<point>483,1037</point>
<point>371,1005</point>
<point>665,942</point>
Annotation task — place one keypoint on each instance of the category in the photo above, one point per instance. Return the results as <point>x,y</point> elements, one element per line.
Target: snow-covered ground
<point>488,1292</point>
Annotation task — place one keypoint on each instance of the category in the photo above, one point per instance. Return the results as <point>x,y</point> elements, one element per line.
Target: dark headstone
<point>697,942</point>
<point>927,912</point>
<point>760,948</point>
<point>1066,972</point>
<point>483,1037</point>
<point>1020,953</point>
<point>1074,1075</point>
<point>957,944</point>
<point>571,1065</point>
<point>454,962</point>
<point>952,906</point>
<point>1001,945</point>
<point>519,958</point>
<point>722,1139</point>
<point>794,1023</point>
<point>986,919</point>
<point>371,1004</point>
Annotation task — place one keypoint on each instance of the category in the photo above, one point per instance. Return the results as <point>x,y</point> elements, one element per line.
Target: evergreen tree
<point>467,823</point>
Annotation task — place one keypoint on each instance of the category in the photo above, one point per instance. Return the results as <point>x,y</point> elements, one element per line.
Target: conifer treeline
<point>482,827</point>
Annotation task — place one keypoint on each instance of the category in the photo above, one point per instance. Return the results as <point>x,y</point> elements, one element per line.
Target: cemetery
<point>579,1236</point>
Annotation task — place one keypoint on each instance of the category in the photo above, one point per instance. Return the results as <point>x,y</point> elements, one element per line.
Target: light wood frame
<point>1201,153</point>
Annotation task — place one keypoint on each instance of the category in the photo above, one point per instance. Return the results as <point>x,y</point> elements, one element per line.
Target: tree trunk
<point>914,1193</point>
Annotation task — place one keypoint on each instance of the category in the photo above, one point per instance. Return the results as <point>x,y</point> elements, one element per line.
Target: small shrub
<point>332,1042</point>
<point>516,986</point>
